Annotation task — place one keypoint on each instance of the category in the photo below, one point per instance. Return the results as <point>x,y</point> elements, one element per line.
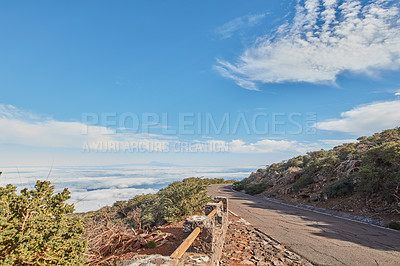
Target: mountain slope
<point>362,178</point>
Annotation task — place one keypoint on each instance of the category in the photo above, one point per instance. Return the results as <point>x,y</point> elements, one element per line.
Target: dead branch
<point>109,240</point>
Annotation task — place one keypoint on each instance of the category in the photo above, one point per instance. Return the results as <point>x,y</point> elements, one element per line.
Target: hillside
<point>361,178</point>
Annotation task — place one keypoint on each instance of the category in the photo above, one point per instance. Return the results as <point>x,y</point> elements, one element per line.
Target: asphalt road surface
<point>320,238</point>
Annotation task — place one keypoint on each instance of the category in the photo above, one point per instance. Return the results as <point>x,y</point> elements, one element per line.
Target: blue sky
<point>318,73</point>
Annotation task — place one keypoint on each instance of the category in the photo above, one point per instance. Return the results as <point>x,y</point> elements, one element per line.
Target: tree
<point>35,227</point>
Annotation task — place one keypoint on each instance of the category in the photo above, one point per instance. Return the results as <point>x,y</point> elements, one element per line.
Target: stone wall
<point>213,230</point>
<point>208,246</point>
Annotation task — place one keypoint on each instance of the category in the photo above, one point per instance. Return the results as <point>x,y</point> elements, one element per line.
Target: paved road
<point>320,238</point>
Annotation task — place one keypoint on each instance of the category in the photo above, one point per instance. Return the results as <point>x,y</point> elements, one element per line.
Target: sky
<point>233,84</point>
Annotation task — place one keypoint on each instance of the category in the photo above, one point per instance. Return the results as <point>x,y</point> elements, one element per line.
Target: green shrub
<point>295,162</point>
<point>209,181</point>
<point>317,154</point>
<point>35,227</point>
<point>151,244</point>
<point>341,187</point>
<point>302,182</point>
<point>171,204</point>
<point>394,225</point>
<point>329,164</point>
<point>343,151</point>
<point>389,198</point>
<point>380,168</point>
<point>323,165</point>
<point>238,185</point>
<point>254,189</point>
<point>183,198</point>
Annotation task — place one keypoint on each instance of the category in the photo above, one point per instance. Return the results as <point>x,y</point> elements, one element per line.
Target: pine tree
<point>36,227</point>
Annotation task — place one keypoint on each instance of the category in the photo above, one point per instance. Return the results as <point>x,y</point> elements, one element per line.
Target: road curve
<point>320,238</point>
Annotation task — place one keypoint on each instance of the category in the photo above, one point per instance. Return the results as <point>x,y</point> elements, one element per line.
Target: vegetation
<point>380,168</point>
<point>129,225</point>
<point>35,227</point>
<point>339,188</point>
<point>171,204</point>
<point>239,185</point>
<point>254,189</point>
<point>394,225</point>
<point>151,244</point>
<point>302,182</point>
<point>251,189</point>
<point>377,172</point>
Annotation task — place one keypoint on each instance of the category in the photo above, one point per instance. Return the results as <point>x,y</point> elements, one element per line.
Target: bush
<point>380,168</point>
<point>394,225</point>
<point>35,227</point>
<point>251,189</point>
<point>323,165</point>
<point>209,181</point>
<point>171,204</point>
<point>341,187</point>
<point>254,189</point>
<point>302,182</point>
<point>151,244</point>
<point>295,162</point>
<point>343,151</point>
<point>181,199</point>
<point>238,185</point>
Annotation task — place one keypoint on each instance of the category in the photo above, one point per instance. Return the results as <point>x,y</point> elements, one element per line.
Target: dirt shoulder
<point>245,245</point>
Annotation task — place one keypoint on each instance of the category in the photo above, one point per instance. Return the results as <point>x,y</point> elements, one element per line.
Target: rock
<point>315,197</point>
<point>244,245</point>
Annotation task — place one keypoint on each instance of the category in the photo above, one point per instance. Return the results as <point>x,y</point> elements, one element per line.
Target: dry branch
<point>109,240</point>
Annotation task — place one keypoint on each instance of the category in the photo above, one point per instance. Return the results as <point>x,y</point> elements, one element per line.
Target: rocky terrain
<point>280,186</point>
<point>358,178</point>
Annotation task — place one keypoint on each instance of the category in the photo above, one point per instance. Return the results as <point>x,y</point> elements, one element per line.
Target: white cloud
<point>25,128</point>
<point>366,119</point>
<point>335,142</point>
<point>242,82</point>
<point>268,146</point>
<point>325,39</point>
<point>227,30</point>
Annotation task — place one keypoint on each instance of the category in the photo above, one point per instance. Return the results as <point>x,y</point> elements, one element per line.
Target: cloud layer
<point>94,187</point>
<point>366,119</point>
<point>19,127</point>
<point>324,39</point>
<point>28,129</point>
<point>270,145</point>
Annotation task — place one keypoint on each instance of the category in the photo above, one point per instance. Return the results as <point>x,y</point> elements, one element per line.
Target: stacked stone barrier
<point>204,239</point>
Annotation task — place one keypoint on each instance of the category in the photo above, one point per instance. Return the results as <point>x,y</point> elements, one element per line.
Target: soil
<point>167,249</point>
<point>245,245</point>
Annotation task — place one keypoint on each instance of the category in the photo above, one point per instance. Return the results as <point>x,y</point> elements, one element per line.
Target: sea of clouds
<point>93,187</point>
